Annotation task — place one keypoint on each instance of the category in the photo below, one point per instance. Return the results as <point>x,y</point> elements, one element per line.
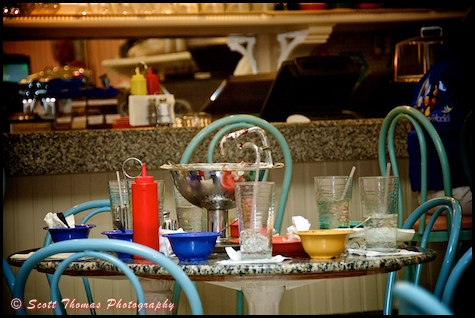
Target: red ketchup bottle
<point>145,210</point>
<point>153,84</point>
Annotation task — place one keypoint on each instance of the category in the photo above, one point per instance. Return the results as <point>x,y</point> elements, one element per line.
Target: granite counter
<point>86,151</point>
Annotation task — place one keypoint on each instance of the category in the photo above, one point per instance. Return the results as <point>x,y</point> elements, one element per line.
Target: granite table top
<point>292,269</point>
<point>103,150</point>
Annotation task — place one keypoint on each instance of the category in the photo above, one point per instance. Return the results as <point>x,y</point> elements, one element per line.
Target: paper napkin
<point>299,223</point>
<point>58,256</point>
<point>235,258</point>
<point>53,222</point>
<point>165,246</point>
<point>374,253</point>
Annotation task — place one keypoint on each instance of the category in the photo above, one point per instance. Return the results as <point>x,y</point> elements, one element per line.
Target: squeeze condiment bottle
<point>153,85</point>
<point>138,84</point>
<point>145,210</point>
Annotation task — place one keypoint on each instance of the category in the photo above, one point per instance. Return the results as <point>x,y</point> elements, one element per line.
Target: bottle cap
<point>153,85</point>
<point>144,178</point>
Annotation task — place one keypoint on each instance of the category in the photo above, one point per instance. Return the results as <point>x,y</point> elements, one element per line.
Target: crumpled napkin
<point>299,223</point>
<point>165,246</point>
<point>235,258</point>
<point>53,222</point>
<point>58,256</point>
<point>374,253</point>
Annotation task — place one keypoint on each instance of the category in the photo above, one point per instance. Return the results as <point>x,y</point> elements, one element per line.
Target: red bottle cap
<point>153,86</point>
<point>144,178</point>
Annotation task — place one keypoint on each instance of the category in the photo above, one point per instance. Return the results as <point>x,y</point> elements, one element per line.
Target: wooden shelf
<point>197,25</point>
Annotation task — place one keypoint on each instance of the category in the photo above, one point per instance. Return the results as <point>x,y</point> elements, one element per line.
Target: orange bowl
<point>324,243</point>
<point>281,245</point>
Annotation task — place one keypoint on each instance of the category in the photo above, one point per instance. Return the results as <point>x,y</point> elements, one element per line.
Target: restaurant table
<point>262,284</point>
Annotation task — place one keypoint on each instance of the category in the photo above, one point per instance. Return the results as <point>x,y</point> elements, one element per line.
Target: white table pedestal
<point>159,293</point>
<point>263,298</point>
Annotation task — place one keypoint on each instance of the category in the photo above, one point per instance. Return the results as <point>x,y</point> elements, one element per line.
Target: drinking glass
<point>255,210</point>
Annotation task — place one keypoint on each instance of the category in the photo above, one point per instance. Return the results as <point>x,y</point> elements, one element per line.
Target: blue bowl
<point>192,246</point>
<point>118,235</point>
<point>80,231</point>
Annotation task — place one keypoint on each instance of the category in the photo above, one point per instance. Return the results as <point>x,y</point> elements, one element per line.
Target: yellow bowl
<point>324,243</point>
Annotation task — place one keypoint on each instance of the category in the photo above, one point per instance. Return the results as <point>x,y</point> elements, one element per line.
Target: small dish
<point>192,246</point>
<point>79,231</point>
<point>324,243</point>
<point>119,235</point>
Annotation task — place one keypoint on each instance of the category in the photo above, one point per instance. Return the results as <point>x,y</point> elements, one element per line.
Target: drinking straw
<point>120,190</point>
<point>388,169</point>
<point>347,185</point>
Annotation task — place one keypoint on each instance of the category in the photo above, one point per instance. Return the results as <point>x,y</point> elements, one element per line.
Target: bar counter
<point>100,150</point>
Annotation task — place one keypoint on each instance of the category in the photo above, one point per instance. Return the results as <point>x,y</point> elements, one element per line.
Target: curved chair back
<point>453,208</point>
<point>91,208</point>
<point>386,145</point>
<point>234,122</point>
<point>462,264</point>
<point>8,275</point>
<point>412,299</point>
<point>7,270</point>
<point>99,248</point>
<point>220,128</point>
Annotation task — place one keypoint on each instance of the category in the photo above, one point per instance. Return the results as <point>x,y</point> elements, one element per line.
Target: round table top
<point>296,268</point>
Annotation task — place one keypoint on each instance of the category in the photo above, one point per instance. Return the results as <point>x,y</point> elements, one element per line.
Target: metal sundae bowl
<point>211,186</point>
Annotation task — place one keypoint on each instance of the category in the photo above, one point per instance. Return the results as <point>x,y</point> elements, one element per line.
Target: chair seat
<point>441,223</point>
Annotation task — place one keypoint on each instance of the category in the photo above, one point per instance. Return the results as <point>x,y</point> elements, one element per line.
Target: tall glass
<point>379,201</point>
<point>255,210</point>
<point>333,195</point>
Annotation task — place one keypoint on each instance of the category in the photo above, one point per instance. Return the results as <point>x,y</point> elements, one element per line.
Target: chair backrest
<point>8,275</point>
<point>99,248</point>
<point>386,145</point>
<point>462,264</point>
<point>234,122</point>
<point>466,147</point>
<point>412,299</point>
<point>220,128</point>
<point>452,208</point>
<point>90,208</point>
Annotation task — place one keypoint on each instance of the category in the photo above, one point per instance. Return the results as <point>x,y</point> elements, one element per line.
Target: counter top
<point>104,150</point>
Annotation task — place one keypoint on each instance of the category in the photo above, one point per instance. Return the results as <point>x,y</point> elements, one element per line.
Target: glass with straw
<point>379,202</point>
<point>255,211</point>
<point>333,195</point>
<point>119,199</point>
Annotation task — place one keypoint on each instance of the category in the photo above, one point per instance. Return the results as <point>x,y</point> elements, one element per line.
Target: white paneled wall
<point>28,199</point>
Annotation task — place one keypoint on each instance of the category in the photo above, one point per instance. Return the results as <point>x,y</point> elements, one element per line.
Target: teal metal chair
<point>220,128</point>
<point>453,209</point>
<point>387,146</point>
<point>90,208</point>
<point>100,248</point>
<point>412,299</point>
<point>8,274</point>
<point>455,275</point>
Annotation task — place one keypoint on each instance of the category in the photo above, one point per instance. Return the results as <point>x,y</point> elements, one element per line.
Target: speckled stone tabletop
<point>101,150</point>
<point>296,268</point>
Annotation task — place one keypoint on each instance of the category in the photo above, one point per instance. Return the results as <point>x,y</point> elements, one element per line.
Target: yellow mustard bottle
<point>138,83</point>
